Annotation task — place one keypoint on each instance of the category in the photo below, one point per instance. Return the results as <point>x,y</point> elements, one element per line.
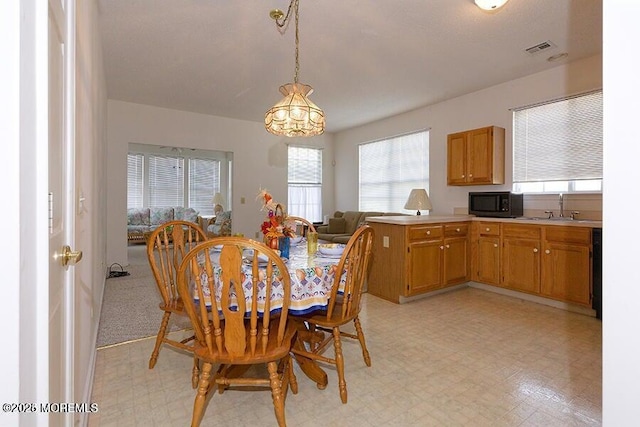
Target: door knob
<point>69,256</point>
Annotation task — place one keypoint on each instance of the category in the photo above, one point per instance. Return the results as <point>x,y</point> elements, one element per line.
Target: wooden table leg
<point>309,366</point>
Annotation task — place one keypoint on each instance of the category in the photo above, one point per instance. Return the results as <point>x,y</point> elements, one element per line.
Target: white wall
<point>259,161</point>
<point>621,275</point>
<point>483,108</point>
<point>11,30</point>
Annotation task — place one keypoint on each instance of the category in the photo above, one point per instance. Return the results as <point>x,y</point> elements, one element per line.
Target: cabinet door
<point>521,265</point>
<point>480,156</point>
<point>425,261</point>
<point>566,272</point>
<point>456,260</point>
<point>456,158</point>
<point>488,260</point>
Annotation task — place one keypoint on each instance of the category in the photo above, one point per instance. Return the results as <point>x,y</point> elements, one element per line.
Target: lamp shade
<point>295,115</point>
<point>218,199</point>
<point>418,200</point>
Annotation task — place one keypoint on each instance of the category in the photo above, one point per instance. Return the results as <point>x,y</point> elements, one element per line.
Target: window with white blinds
<point>204,180</point>
<point>390,168</point>
<point>557,146</point>
<point>305,182</point>
<point>135,180</point>
<point>158,180</point>
<point>166,181</point>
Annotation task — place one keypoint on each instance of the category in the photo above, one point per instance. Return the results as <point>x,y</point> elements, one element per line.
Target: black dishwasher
<point>596,268</point>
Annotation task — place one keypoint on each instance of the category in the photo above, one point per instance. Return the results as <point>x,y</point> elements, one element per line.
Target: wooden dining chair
<point>238,307</point>
<point>343,307</point>
<point>166,247</point>
<point>305,222</point>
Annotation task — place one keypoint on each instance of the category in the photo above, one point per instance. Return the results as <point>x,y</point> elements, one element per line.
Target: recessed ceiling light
<point>490,4</point>
<point>557,57</point>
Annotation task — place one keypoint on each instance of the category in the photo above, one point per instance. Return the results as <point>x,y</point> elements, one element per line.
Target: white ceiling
<point>366,60</point>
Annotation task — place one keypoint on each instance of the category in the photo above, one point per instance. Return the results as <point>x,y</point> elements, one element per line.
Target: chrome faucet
<point>561,202</point>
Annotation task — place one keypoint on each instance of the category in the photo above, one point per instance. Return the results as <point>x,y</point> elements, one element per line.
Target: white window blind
<point>560,142</point>
<point>305,182</point>
<point>166,181</point>
<point>390,168</point>
<point>135,180</point>
<point>204,181</point>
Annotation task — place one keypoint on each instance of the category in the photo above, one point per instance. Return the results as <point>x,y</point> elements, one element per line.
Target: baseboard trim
<point>574,308</point>
<point>404,300</point>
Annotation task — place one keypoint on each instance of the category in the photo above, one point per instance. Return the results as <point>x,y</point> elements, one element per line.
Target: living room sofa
<point>343,224</point>
<point>142,220</point>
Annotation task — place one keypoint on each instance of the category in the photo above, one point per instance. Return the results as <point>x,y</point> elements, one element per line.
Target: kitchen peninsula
<point>544,260</point>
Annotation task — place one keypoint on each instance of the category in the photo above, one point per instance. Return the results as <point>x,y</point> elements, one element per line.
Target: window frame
<point>590,185</point>
<point>225,160</point>
<point>305,186</point>
<point>395,189</point>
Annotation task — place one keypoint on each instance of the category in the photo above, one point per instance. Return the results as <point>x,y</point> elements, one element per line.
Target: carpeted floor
<point>130,304</point>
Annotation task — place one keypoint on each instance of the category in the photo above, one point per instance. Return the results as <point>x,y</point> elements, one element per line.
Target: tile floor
<point>467,357</point>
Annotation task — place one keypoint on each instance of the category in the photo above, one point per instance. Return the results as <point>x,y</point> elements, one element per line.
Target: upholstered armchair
<point>221,225</point>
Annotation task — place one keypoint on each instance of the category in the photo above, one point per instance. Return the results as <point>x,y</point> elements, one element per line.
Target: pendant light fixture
<point>295,115</point>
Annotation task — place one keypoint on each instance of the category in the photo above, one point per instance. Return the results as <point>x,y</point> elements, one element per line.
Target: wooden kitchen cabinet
<point>476,157</point>
<point>456,254</point>
<point>566,264</point>
<point>521,257</point>
<point>487,253</point>
<point>425,266</point>
<point>424,258</point>
<point>550,261</point>
<point>439,256</point>
<point>418,258</point>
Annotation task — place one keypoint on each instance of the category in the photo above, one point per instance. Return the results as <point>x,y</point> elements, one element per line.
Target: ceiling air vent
<point>540,47</point>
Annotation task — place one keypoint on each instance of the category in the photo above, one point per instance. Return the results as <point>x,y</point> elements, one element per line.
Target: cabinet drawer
<point>456,230</point>
<point>489,228</point>
<point>425,232</point>
<point>521,231</point>
<point>568,234</point>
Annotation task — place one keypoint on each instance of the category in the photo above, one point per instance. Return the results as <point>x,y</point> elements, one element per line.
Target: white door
<point>61,198</point>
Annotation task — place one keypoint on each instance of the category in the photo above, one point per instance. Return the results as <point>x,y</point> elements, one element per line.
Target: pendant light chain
<point>295,77</point>
<point>295,115</point>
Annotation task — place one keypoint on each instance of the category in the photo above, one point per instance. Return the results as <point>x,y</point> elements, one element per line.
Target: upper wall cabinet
<point>476,157</point>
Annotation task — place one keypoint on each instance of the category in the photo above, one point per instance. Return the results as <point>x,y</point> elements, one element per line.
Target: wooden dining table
<point>312,276</point>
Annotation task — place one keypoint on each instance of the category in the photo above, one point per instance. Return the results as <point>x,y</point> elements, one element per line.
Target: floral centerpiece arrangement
<point>275,226</point>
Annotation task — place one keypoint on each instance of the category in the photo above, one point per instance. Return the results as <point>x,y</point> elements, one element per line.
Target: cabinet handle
<point>441,247</point>
<point>446,246</point>
<point>495,245</point>
<point>470,175</point>
<point>535,250</point>
<point>463,175</point>
<point>547,251</point>
<point>428,232</point>
<point>457,230</point>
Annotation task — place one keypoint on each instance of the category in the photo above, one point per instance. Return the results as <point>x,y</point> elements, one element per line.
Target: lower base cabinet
<point>544,260</point>
<point>521,258</point>
<point>566,264</point>
<point>427,258</point>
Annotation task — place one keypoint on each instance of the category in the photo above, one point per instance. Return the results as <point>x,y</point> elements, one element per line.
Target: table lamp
<point>418,199</point>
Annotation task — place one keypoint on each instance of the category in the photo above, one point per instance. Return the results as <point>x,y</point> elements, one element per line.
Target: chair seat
<point>175,306</point>
<point>272,352</point>
<point>336,319</point>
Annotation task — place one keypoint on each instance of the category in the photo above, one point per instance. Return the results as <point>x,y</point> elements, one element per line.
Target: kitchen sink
<point>555,219</point>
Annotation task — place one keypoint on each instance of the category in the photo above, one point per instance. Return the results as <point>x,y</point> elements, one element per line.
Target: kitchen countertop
<point>426,219</point>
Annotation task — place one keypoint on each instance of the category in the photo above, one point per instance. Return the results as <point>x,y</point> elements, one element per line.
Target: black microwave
<point>500,204</point>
